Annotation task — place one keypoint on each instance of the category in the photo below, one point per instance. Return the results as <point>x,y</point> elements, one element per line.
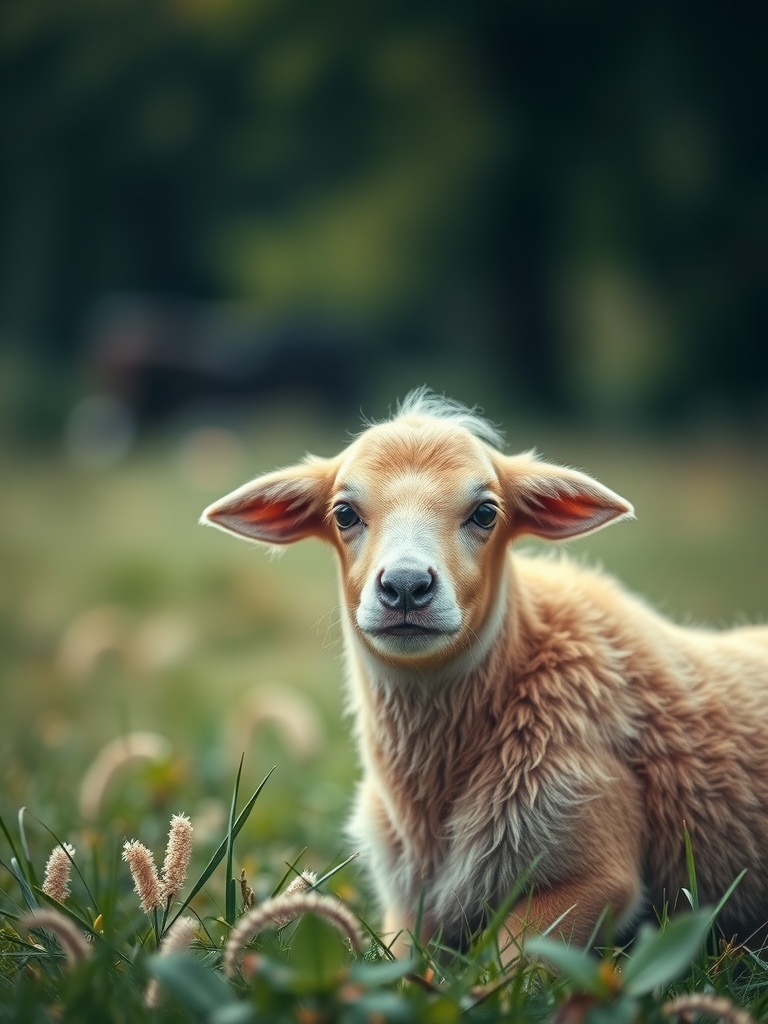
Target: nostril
<point>421,592</point>
<point>389,595</point>
<point>406,588</point>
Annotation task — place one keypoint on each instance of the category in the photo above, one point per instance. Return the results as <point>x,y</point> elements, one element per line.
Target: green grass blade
<point>597,931</point>
<point>231,898</point>
<point>25,845</point>
<point>216,859</point>
<point>726,896</point>
<point>8,897</point>
<point>230,908</point>
<point>419,913</point>
<point>380,944</point>
<point>83,923</point>
<point>492,929</point>
<point>29,897</point>
<point>9,837</point>
<point>333,871</point>
<point>291,872</point>
<point>690,864</point>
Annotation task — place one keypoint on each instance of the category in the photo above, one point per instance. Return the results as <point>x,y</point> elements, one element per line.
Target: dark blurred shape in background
<point>558,207</point>
<point>159,357</point>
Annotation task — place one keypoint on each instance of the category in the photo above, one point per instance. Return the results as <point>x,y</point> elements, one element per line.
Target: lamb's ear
<point>278,508</point>
<point>556,503</point>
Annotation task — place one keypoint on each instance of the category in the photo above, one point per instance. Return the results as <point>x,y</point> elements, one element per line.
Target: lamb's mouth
<point>409,629</point>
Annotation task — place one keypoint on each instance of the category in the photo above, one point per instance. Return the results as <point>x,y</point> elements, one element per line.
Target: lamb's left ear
<point>556,503</point>
<point>278,508</point>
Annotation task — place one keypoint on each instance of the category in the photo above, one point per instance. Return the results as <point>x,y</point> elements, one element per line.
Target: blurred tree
<point>576,190</point>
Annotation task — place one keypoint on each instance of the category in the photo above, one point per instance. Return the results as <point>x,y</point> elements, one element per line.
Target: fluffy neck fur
<point>422,734</point>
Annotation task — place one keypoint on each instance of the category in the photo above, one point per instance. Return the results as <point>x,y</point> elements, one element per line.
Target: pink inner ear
<point>569,509</point>
<point>275,512</point>
<point>289,518</point>
<point>557,516</point>
<point>276,521</point>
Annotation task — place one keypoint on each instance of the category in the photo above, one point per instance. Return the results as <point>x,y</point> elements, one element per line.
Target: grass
<point>118,615</point>
<point>92,953</point>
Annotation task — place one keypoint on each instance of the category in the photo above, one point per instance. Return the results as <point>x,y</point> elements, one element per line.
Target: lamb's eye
<point>345,516</point>
<point>484,516</point>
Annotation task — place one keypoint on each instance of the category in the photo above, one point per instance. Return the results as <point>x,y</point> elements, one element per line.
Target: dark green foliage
<point>572,190</point>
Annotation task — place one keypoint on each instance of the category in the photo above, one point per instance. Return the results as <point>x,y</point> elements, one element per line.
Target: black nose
<point>402,589</point>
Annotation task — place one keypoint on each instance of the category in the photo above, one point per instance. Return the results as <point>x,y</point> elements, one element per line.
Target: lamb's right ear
<point>278,508</point>
<point>555,503</point>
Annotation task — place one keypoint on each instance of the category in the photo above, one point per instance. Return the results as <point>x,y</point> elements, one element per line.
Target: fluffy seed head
<point>301,883</point>
<point>113,759</point>
<point>246,892</point>
<point>705,1002</point>
<point>177,856</point>
<point>275,912</point>
<point>144,874</point>
<point>72,941</point>
<point>57,872</point>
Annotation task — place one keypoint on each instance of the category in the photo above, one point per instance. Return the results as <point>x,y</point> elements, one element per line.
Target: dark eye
<point>484,516</point>
<point>345,516</point>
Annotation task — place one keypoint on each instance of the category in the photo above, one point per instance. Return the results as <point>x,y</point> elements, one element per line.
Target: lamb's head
<point>420,510</point>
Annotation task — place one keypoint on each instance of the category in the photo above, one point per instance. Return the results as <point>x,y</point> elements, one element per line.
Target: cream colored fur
<point>513,711</point>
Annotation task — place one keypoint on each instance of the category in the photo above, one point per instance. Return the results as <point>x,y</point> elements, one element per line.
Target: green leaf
<point>441,1011</point>
<point>233,1013</point>
<point>371,975</point>
<point>661,956</point>
<point>318,952</point>
<point>574,964</point>
<point>620,1011</point>
<point>196,987</point>
<point>388,1006</point>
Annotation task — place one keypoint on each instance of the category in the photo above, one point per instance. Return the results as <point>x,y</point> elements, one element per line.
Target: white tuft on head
<point>422,401</point>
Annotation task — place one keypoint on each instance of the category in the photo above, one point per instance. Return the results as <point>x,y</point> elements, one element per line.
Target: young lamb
<point>514,711</point>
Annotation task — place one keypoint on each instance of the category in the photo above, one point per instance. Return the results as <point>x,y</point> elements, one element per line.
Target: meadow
<point>121,618</point>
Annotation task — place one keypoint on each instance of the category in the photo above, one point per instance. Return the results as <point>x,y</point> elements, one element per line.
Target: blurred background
<point>228,228</point>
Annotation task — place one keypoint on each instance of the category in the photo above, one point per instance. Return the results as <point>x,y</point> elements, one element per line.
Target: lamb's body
<point>513,711</point>
<point>591,709</point>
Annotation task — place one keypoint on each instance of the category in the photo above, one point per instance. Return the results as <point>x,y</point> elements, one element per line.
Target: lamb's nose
<point>406,588</point>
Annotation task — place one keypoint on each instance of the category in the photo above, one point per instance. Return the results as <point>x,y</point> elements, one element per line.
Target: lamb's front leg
<point>374,830</point>
<point>397,932</point>
<point>604,852</point>
<point>577,906</point>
